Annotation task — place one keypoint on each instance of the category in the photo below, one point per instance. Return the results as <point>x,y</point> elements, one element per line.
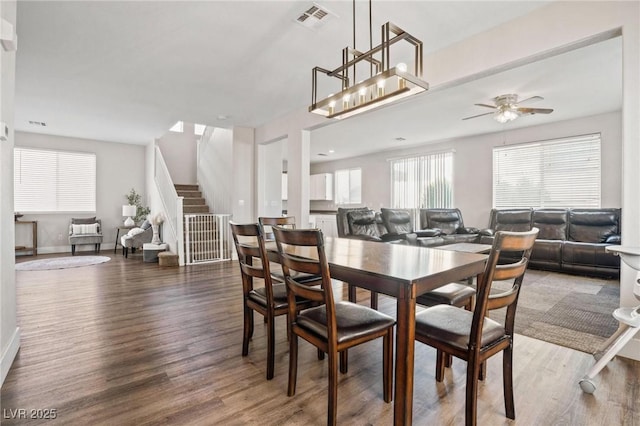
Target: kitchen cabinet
<point>326,223</point>
<point>321,186</point>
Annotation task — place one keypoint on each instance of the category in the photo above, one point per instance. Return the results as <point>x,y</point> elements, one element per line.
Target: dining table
<point>402,272</point>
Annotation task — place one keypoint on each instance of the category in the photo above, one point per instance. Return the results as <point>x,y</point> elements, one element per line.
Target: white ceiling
<point>126,71</point>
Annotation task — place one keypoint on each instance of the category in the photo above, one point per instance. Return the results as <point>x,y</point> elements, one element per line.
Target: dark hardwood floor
<point>131,343</point>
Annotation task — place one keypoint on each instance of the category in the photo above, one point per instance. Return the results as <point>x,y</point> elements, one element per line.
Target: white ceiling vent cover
<point>314,17</point>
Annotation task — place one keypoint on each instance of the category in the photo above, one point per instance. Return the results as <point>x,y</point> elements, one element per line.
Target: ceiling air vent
<point>314,17</point>
<point>37,123</point>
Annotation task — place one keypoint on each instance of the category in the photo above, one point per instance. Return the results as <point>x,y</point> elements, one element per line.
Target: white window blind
<point>348,186</point>
<point>558,173</point>
<point>54,181</point>
<point>422,182</point>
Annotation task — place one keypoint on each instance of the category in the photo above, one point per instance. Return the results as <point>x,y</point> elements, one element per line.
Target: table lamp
<point>129,211</point>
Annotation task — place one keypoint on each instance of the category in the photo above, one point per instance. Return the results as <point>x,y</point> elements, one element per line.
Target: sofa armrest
<point>467,230</point>
<point>429,232</point>
<point>613,239</point>
<point>364,237</point>
<point>486,232</point>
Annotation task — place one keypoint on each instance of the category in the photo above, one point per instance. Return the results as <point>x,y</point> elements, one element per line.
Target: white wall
<point>119,167</point>
<point>9,330</point>
<point>269,182</point>
<point>472,179</point>
<point>180,153</point>
<point>215,169</point>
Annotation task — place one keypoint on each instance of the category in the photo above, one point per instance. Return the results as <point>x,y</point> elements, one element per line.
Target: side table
<point>124,228</point>
<point>150,251</point>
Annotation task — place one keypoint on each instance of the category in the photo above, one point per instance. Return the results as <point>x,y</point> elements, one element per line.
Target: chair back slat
<point>267,224</point>
<point>503,242</point>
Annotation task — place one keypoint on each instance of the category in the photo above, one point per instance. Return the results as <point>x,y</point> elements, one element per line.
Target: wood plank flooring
<point>131,343</point>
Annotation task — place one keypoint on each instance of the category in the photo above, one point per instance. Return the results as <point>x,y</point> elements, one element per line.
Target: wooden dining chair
<point>333,327</point>
<point>269,301</point>
<point>268,223</point>
<point>472,336</point>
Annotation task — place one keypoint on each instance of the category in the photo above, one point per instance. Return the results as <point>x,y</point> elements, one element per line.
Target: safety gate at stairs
<point>207,238</point>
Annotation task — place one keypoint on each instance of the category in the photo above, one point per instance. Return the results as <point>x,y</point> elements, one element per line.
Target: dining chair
<point>271,300</point>
<point>268,223</point>
<point>472,336</point>
<point>334,326</point>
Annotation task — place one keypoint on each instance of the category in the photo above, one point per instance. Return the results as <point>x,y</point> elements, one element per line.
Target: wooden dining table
<point>403,272</point>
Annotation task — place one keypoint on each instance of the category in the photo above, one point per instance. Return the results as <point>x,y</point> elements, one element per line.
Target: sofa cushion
<point>397,221</point>
<point>593,226</point>
<point>551,223</point>
<point>85,229</point>
<point>518,220</point>
<point>363,222</point>
<point>447,220</point>
<point>83,220</point>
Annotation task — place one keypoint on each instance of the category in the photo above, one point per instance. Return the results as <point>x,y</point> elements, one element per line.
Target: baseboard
<point>9,354</point>
<point>632,349</point>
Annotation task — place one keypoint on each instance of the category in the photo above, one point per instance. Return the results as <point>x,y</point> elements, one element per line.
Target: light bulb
<point>345,101</point>
<point>363,93</point>
<point>380,85</point>
<point>332,107</point>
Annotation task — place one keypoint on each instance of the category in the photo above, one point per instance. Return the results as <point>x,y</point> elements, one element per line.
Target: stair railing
<point>171,202</point>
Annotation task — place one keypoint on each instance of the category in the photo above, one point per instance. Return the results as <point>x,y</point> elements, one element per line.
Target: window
<point>558,173</point>
<point>422,182</point>
<point>348,186</point>
<point>178,127</point>
<point>54,181</point>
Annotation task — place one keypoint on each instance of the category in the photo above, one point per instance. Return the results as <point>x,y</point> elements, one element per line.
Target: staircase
<point>193,201</point>
<point>206,236</point>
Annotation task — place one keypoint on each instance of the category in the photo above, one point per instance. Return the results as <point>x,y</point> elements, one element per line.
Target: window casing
<point>47,181</point>
<point>348,186</point>
<point>558,173</point>
<point>424,181</point>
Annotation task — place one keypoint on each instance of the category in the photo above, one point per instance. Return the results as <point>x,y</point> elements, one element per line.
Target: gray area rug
<point>567,310</point>
<point>60,263</point>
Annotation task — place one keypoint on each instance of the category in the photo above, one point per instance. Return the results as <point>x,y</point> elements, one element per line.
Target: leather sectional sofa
<point>569,240</point>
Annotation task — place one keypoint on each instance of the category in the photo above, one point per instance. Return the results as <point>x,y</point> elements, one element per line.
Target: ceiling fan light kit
<point>507,108</point>
<point>384,85</point>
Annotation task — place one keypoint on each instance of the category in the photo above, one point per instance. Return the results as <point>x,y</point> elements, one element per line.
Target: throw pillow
<point>135,231</point>
<point>83,220</point>
<point>146,224</point>
<point>85,229</point>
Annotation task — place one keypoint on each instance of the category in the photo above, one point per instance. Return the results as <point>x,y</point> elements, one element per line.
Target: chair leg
<point>73,249</point>
<point>351,290</point>
<point>374,300</point>
<point>440,361</point>
<point>387,365</point>
<point>483,371</point>
<point>344,361</point>
<point>125,251</point>
<point>471,405</point>
<point>320,354</point>
<point>248,330</point>
<point>271,344</point>
<point>448,360</point>
<point>332,410</point>
<point>293,364</point>
<point>507,376</point>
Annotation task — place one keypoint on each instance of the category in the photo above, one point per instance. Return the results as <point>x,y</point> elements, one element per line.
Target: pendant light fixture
<point>383,85</point>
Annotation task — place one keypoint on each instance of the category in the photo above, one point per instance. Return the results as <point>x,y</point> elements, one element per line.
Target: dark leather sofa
<point>449,225</point>
<point>569,240</point>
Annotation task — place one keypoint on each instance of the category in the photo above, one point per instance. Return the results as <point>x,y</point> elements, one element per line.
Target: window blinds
<point>422,182</point>
<point>348,184</point>
<point>559,173</point>
<point>54,181</point>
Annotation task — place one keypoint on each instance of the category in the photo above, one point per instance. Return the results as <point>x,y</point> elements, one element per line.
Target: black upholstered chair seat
<point>259,295</point>
<point>452,326</point>
<point>454,294</point>
<point>353,321</point>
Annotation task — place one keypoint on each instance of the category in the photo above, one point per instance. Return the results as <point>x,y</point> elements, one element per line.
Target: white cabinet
<point>321,187</point>
<point>327,224</point>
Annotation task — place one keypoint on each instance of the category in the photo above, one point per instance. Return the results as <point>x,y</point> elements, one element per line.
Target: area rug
<point>60,263</point>
<point>567,310</point>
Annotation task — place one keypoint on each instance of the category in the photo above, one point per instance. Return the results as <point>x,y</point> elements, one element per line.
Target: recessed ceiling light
<point>223,117</point>
<point>38,123</point>
<point>331,151</point>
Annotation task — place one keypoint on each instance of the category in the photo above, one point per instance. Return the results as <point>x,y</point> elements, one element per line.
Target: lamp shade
<point>129,210</point>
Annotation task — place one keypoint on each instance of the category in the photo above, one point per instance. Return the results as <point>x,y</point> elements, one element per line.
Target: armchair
<point>85,231</point>
<point>398,222</point>
<point>449,222</point>
<point>136,238</point>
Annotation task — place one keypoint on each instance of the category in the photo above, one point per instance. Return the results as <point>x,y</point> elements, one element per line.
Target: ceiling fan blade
<point>485,105</point>
<point>532,98</point>
<point>479,115</point>
<point>534,110</point>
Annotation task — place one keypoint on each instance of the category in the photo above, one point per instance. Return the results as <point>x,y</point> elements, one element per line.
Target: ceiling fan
<point>507,108</point>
